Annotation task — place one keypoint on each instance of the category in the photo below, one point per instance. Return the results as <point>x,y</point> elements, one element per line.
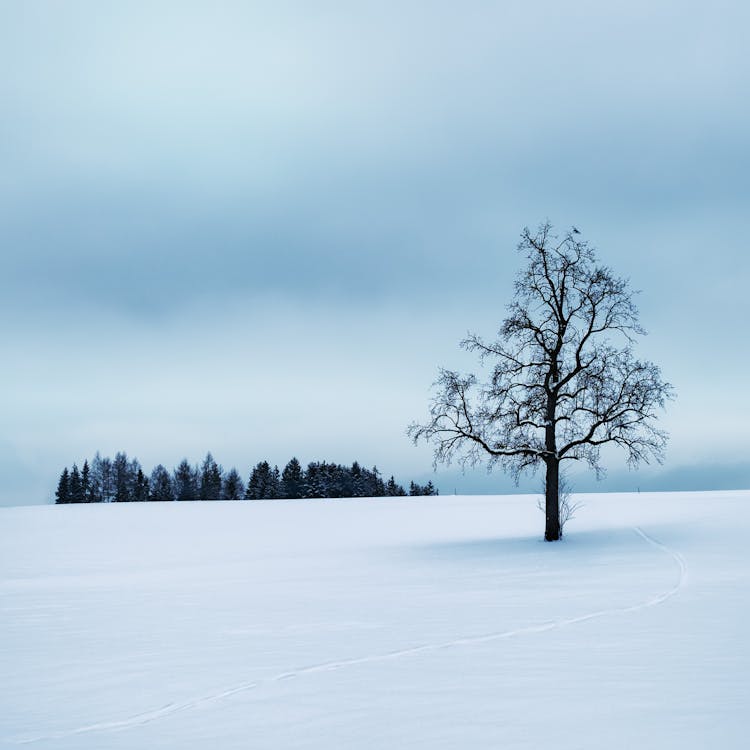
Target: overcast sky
<point>258,228</point>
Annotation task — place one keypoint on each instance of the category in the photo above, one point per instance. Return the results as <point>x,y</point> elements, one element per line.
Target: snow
<point>418,623</point>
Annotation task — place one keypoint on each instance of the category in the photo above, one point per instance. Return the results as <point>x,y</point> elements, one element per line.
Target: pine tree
<point>186,482</point>
<point>210,482</point>
<point>292,480</point>
<point>314,482</point>
<point>255,483</point>
<point>232,487</point>
<point>375,484</point>
<point>325,479</point>
<point>338,481</point>
<point>161,488</point>
<point>75,492</point>
<point>86,482</point>
<point>140,489</point>
<point>419,489</point>
<point>63,488</point>
<point>392,489</point>
<point>264,483</point>
<point>358,483</point>
<point>273,491</point>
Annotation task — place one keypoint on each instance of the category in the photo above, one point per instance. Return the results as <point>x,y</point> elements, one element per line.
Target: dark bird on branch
<point>575,230</point>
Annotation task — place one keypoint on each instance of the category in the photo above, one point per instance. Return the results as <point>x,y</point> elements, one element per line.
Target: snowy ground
<point>411,623</point>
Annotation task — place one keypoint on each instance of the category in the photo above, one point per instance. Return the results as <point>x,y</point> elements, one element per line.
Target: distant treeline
<point>122,480</point>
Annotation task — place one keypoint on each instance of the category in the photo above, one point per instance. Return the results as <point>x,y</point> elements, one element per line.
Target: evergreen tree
<point>75,491</point>
<point>314,481</point>
<point>264,483</point>
<point>392,489</point>
<point>254,489</point>
<point>418,489</point>
<point>186,484</point>
<point>86,482</point>
<point>374,483</point>
<point>233,487</point>
<point>160,486</point>
<point>274,485</point>
<point>123,479</point>
<point>210,482</point>
<point>63,488</point>
<point>358,483</point>
<point>292,480</point>
<point>140,489</point>
<point>337,480</point>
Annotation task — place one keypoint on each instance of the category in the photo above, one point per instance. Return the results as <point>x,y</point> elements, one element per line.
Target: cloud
<point>187,189</point>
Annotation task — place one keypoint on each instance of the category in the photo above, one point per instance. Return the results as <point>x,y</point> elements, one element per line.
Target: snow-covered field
<point>406,623</point>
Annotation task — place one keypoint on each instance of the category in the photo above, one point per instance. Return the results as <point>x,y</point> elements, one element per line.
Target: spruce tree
<point>392,489</point>
<point>358,483</point>
<point>185,482</point>
<point>292,480</point>
<point>232,487</point>
<point>274,485</point>
<point>86,482</point>
<point>210,482</point>
<point>140,489</point>
<point>264,483</point>
<point>75,490</point>
<point>338,481</point>
<point>419,489</point>
<point>325,478</point>
<point>63,488</point>
<point>255,483</point>
<point>375,483</point>
<point>314,484</point>
<point>161,488</point>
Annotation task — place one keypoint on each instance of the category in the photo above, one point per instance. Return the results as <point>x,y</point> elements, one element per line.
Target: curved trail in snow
<point>170,709</point>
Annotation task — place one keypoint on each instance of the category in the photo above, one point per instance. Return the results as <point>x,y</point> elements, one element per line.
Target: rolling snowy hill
<point>412,623</point>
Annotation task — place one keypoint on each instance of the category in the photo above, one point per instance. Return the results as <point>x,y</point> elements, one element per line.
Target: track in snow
<point>173,708</point>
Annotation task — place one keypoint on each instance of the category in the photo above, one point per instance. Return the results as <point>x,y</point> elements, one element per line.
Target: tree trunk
<point>552,483</point>
<point>552,500</point>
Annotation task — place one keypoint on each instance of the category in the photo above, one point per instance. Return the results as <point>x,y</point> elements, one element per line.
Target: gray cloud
<point>352,178</point>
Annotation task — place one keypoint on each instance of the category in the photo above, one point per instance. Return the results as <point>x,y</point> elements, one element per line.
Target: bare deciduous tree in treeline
<point>563,380</point>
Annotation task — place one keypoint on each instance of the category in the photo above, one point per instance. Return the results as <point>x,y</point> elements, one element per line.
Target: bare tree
<point>563,381</point>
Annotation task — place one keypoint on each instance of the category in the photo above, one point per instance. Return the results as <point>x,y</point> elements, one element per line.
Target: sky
<point>259,228</point>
